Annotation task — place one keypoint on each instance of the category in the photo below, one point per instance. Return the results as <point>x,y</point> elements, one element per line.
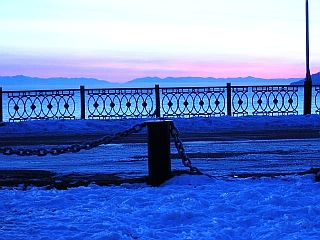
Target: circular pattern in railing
<point>240,101</point>
<point>260,102</point>
<point>120,103</point>
<point>274,100</point>
<point>290,101</point>
<point>189,102</point>
<point>35,105</point>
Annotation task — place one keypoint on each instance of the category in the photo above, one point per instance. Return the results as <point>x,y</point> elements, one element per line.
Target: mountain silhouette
<point>206,81</point>
<point>315,80</point>
<point>21,82</point>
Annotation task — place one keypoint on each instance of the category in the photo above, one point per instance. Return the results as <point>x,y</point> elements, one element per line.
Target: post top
<point>158,121</point>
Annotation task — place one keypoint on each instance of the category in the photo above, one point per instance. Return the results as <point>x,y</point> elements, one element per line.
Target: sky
<point>119,40</point>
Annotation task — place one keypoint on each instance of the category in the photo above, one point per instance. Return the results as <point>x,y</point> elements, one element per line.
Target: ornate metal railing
<point>240,101</point>
<point>40,104</point>
<point>317,99</point>
<point>118,103</point>
<point>265,100</point>
<point>188,102</point>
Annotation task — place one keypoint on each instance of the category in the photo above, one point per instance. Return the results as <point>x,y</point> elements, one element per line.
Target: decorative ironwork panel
<point>275,100</point>
<point>317,99</point>
<point>42,104</point>
<point>120,103</point>
<point>240,101</point>
<point>193,101</point>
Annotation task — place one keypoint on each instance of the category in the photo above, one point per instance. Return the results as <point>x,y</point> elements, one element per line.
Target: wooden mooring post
<point>159,162</point>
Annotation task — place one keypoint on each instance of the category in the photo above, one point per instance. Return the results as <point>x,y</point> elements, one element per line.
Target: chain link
<point>175,134</point>
<point>104,140</point>
<point>72,148</point>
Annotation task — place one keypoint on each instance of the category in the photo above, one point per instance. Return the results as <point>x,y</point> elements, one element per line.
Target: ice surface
<point>216,157</point>
<point>213,157</point>
<point>186,207</point>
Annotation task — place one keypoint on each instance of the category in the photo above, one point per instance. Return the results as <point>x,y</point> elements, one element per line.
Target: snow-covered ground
<point>189,125</point>
<point>186,207</point>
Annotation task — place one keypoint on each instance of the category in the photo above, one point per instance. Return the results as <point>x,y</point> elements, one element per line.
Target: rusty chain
<point>72,148</point>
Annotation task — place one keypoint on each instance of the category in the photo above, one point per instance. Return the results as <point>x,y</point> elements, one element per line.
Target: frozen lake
<point>213,157</point>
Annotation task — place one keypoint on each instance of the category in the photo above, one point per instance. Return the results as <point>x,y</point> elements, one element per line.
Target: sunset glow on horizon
<point>119,40</point>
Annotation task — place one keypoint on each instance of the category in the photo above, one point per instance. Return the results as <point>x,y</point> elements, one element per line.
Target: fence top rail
<point>40,90</point>
<point>266,86</point>
<point>123,88</point>
<point>169,88</point>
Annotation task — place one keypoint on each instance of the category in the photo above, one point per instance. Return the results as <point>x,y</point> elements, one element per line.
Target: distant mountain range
<point>315,80</point>
<point>209,81</point>
<point>22,82</point>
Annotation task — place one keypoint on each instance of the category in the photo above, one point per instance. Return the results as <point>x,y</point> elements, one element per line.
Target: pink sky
<point>118,41</point>
<point>122,70</point>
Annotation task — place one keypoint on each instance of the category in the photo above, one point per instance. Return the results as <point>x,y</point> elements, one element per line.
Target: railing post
<point>307,97</point>
<point>308,81</point>
<point>82,102</point>
<point>229,99</point>
<point>159,162</point>
<point>1,107</point>
<point>157,92</point>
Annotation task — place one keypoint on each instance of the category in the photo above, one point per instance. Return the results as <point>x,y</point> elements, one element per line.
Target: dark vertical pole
<point>159,163</point>
<point>82,102</point>
<point>1,107</point>
<point>307,97</point>
<point>308,80</point>
<point>229,99</point>
<point>307,42</point>
<point>157,92</point>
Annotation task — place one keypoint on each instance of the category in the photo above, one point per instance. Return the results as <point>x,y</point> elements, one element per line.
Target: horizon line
<point>161,78</point>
